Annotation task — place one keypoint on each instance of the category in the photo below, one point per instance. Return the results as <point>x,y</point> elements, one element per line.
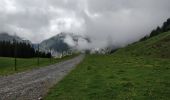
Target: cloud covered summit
<point>115,22</point>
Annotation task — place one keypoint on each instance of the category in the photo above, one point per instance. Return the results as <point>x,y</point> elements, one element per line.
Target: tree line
<point>165,28</point>
<point>20,50</point>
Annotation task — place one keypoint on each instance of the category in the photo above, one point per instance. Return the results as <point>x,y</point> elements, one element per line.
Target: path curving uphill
<point>32,85</point>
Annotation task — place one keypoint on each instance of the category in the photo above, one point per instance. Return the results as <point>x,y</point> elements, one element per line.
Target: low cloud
<point>106,22</point>
<point>78,42</point>
<point>69,40</point>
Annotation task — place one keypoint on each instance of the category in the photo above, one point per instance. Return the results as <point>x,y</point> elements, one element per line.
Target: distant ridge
<point>6,37</point>
<point>57,43</point>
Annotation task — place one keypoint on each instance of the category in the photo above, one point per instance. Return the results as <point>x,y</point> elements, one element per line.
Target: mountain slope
<point>6,37</point>
<point>157,46</point>
<point>57,43</point>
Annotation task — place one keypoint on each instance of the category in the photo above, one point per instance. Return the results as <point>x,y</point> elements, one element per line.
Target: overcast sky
<point>116,21</point>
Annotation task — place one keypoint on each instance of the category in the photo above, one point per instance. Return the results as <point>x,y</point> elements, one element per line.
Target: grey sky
<point>119,21</point>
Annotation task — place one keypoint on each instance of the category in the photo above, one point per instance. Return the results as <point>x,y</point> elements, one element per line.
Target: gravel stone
<point>34,84</point>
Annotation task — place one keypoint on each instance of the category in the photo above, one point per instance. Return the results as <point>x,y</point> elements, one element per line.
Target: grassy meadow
<point>140,71</point>
<point>7,64</point>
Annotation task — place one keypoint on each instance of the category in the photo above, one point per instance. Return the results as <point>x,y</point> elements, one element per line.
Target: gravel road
<point>32,85</point>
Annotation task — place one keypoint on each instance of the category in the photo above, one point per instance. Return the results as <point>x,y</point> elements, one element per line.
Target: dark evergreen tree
<point>156,32</point>
<point>21,50</point>
<point>165,27</point>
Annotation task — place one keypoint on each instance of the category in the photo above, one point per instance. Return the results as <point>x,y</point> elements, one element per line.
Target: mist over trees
<point>20,50</point>
<point>165,27</point>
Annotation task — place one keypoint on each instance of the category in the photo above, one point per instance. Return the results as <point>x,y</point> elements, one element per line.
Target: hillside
<point>6,37</point>
<point>140,71</point>
<point>158,46</point>
<point>58,44</point>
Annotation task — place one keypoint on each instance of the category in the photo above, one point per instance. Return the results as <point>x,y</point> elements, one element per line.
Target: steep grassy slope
<point>158,46</point>
<point>138,72</point>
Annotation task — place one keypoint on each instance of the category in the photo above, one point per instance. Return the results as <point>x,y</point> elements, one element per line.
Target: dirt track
<point>32,85</point>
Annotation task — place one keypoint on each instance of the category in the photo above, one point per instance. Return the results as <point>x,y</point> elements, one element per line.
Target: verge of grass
<point>7,64</point>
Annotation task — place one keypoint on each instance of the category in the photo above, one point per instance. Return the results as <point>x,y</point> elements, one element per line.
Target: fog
<point>106,22</point>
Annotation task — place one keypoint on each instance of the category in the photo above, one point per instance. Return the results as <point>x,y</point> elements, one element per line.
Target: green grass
<point>137,72</point>
<point>158,47</point>
<point>7,64</point>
